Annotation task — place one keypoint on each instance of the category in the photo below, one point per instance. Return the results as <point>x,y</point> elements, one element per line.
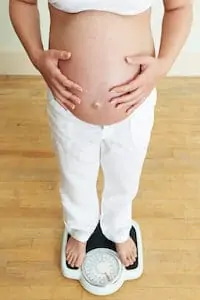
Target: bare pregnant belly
<point>99,43</point>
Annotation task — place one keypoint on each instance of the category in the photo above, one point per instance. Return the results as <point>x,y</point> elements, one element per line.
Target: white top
<point>122,7</point>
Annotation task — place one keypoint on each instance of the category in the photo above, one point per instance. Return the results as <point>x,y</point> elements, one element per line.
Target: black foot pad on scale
<point>98,240</point>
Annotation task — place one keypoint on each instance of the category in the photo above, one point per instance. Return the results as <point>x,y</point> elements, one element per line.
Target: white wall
<point>13,59</point>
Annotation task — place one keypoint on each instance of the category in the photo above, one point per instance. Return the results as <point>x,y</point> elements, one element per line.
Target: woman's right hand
<point>60,86</point>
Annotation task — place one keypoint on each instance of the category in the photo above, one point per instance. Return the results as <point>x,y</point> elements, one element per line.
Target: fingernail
<point>73,107</point>
<point>129,59</point>
<point>113,102</point>
<point>66,55</point>
<point>117,91</point>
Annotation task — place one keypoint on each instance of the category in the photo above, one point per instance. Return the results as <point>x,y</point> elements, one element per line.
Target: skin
<point>105,58</point>
<point>104,67</point>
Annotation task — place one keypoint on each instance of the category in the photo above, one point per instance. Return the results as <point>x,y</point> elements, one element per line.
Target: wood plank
<point>167,205</point>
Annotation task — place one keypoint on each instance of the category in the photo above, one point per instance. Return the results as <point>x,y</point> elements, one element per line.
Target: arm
<point>24,17</point>
<point>176,27</point>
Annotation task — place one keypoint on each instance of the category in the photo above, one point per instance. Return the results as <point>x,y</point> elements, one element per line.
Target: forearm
<point>24,17</point>
<point>175,30</point>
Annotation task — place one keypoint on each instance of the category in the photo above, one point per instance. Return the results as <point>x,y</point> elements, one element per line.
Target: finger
<point>59,54</point>
<point>134,107</point>
<point>65,103</point>
<point>133,101</point>
<point>126,97</point>
<point>66,94</point>
<point>66,82</point>
<point>129,87</point>
<point>139,60</point>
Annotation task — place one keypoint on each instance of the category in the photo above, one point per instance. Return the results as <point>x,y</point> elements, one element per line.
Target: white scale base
<point>106,262</point>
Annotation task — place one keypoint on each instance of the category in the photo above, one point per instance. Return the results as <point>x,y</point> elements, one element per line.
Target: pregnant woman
<point>101,72</point>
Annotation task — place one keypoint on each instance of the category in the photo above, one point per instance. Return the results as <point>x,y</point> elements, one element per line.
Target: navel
<point>96,105</point>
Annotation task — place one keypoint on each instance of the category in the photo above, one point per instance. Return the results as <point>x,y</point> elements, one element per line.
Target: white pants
<point>81,148</point>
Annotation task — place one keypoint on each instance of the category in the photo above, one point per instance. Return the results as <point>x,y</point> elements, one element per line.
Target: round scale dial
<point>101,267</point>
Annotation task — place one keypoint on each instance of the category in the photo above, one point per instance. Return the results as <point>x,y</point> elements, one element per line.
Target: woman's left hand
<point>136,91</point>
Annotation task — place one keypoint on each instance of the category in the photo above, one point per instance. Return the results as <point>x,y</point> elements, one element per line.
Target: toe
<point>128,262</point>
<point>132,259</point>
<point>124,260</point>
<point>129,259</point>
<point>70,262</point>
<point>74,259</point>
<point>68,256</point>
<point>67,249</point>
<point>70,259</point>
<point>79,262</point>
<point>133,254</point>
<point>134,251</point>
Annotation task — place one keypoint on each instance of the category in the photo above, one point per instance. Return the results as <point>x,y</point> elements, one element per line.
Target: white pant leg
<point>123,151</point>
<point>77,147</point>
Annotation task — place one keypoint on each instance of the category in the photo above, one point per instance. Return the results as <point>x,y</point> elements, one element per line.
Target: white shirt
<point>122,7</point>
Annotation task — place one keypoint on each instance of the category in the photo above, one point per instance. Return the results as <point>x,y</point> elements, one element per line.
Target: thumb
<point>61,55</point>
<point>139,60</point>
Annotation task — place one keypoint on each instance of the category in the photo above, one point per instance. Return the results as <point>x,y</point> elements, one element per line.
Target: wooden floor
<point>167,206</point>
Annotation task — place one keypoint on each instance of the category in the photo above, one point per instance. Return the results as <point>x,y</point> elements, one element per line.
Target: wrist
<point>35,57</point>
<point>164,65</point>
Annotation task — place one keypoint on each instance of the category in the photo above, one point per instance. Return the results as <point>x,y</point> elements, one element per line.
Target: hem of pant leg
<point>77,234</point>
<point>109,237</point>
<point>121,241</point>
<point>79,237</point>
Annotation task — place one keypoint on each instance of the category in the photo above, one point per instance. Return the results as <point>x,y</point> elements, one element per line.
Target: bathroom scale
<point>102,272</point>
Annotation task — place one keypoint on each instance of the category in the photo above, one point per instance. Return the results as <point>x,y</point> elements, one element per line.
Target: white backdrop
<point>13,59</point>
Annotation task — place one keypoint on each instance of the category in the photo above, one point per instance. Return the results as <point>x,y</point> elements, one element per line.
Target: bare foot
<point>75,252</point>
<point>127,252</point>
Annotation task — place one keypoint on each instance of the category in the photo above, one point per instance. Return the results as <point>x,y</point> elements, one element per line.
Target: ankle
<point>74,240</point>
